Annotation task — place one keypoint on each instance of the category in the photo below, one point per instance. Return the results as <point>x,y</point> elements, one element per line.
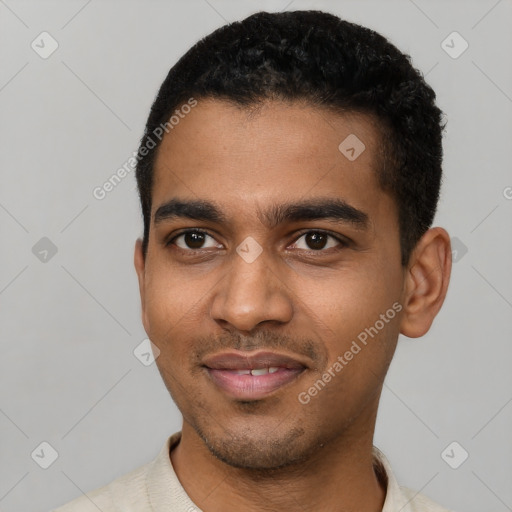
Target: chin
<point>259,452</point>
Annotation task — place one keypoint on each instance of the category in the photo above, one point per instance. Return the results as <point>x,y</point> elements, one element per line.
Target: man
<point>289,175</point>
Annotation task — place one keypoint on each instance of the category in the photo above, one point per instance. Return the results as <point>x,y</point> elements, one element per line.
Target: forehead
<point>238,156</point>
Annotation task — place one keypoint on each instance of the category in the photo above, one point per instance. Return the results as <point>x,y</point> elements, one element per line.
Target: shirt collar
<point>395,500</point>
<point>165,491</point>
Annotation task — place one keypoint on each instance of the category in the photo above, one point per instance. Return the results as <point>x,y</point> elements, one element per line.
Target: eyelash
<point>344,243</point>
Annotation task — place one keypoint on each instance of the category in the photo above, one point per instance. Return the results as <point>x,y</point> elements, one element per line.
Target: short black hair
<point>315,57</point>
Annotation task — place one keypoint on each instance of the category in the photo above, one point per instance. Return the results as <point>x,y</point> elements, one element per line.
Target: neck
<point>339,476</point>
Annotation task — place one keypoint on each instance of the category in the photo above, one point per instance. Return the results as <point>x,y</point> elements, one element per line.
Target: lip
<point>236,360</point>
<point>222,369</point>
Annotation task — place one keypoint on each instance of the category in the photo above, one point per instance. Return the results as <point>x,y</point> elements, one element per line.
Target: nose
<point>249,294</point>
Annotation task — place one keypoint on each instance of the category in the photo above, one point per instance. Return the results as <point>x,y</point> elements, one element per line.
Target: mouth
<point>246,376</point>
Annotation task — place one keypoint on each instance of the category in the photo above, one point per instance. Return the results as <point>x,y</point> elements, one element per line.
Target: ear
<point>140,268</point>
<point>426,282</point>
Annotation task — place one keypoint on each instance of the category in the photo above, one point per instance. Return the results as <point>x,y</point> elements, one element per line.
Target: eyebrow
<point>336,210</point>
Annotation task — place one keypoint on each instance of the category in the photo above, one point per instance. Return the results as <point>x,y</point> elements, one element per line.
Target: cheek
<point>360,334</point>
<point>351,300</point>
<point>169,306</point>
<point>356,309</point>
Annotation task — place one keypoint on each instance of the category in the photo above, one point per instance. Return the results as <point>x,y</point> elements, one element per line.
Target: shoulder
<point>127,493</point>
<point>153,483</point>
<point>399,497</point>
<point>419,503</point>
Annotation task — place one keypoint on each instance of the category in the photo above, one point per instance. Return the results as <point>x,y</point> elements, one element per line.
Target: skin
<point>296,298</point>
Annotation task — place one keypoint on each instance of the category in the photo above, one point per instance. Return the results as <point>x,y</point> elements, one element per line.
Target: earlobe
<point>427,280</point>
<point>140,268</point>
<point>138,261</point>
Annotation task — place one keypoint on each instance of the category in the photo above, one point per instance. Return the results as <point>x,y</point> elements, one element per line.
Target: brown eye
<point>194,240</point>
<point>317,241</point>
<point>190,240</point>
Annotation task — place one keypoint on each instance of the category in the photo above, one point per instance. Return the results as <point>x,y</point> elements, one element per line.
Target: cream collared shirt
<point>154,487</point>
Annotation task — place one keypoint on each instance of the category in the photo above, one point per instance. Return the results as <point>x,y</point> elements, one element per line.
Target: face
<point>272,282</point>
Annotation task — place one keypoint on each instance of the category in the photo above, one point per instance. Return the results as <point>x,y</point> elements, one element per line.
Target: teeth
<point>259,371</point>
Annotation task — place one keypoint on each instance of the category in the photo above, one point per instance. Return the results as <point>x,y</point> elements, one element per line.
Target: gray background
<point>70,324</point>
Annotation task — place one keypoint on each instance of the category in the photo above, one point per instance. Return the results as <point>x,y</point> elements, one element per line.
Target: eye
<point>318,241</point>
<point>193,240</point>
